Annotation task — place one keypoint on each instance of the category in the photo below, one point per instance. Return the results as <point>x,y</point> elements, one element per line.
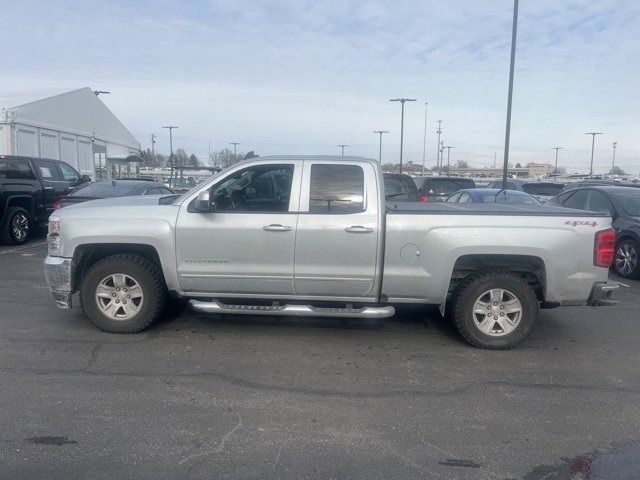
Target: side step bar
<point>215,306</point>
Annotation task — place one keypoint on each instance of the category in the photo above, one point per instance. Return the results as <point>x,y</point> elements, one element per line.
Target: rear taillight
<point>424,198</point>
<point>604,248</point>
<point>57,205</point>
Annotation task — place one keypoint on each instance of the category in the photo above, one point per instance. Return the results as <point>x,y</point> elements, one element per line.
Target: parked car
<point>438,189</point>
<point>493,195</point>
<point>28,189</point>
<point>623,204</point>
<point>603,182</point>
<point>110,189</point>
<point>543,191</point>
<point>400,188</point>
<point>325,244</point>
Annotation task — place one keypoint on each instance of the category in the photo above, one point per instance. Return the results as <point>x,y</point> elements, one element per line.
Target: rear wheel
<point>494,310</point>
<point>123,293</point>
<point>17,226</point>
<point>626,262</point>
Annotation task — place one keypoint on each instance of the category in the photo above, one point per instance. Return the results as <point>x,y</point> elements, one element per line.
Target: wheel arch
<point>85,255</point>
<point>24,201</point>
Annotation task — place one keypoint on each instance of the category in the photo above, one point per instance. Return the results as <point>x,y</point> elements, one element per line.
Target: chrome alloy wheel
<point>626,258</point>
<point>497,312</point>
<point>119,296</point>
<point>20,226</point>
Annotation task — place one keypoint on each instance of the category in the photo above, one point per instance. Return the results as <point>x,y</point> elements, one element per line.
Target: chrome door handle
<point>358,229</point>
<point>48,188</point>
<point>276,227</point>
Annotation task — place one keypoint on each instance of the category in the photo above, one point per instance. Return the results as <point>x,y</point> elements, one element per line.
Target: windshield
<point>630,202</point>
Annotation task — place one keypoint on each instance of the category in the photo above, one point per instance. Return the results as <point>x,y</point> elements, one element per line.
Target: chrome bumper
<point>57,271</point>
<point>601,294</point>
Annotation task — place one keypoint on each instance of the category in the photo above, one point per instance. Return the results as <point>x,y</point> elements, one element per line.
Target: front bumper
<point>58,273</point>
<point>601,294</point>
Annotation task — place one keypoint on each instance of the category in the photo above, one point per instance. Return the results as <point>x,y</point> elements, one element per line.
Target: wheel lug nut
<point>124,301</point>
<point>502,314</point>
<point>501,306</point>
<point>125,289</point>
<point>495,318</point>
<point>117,301</point>
<point>489,307</point>
<point>128,296</point>
<point>118,288</point>
<point>495,303</point>
<point>113,294</point>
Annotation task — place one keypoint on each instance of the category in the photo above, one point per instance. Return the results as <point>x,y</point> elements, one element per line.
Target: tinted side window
<point>15,169</point>
<point>598,202</point>
<point>48,170</point>
<point>336,189</point>
<point>454,198</point>
<point>577,200</point>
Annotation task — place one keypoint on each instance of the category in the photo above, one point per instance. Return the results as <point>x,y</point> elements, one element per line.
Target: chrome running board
<point>216,306</point>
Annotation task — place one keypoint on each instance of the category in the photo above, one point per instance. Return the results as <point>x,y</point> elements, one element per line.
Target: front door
<point>53,185</point>
<point>337,241</point>
<point>246,245</point>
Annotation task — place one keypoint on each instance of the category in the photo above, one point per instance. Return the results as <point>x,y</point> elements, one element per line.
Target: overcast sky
<point>301,77</point>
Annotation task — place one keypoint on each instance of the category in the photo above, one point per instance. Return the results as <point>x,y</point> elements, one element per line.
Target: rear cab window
<point>400,188</point>
<point>446,186</point>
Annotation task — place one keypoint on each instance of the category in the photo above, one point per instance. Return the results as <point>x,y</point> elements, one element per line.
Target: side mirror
<point>203,202</point>
<point>84,179</point>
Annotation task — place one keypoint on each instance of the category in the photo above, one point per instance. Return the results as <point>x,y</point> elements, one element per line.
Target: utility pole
<point>380,132</point>
<point>555,171</point>
<point>507,134</point>
<point>593,143</point>
<point>448,147</point>
<point>438,131</point>
<point>170,128</point>
<point>613,163</point>
<point>153,147</point>
<point>235,149</point>
<point>442,154</point>
<point>344,145</point>
<point>402,101</point>
<point>424,138</point>
<point>495,154</point>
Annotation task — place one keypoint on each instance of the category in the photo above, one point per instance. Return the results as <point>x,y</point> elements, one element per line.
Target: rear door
<point>337,242</point>
<point>18,183</point>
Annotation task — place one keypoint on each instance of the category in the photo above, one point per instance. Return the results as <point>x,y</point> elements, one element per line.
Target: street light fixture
<point>424,138</point>
<point>507,133</point>
<point>613,163</point>
<point>235,148</point>
<point>380,132</point>
<point>448,147</point>
<point>593,143</point>
<point>98,92</point>
<point>402,101</point>
<point>342,145</point>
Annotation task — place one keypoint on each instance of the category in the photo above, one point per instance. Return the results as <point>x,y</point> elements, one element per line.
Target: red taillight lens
<point>424,198</point>
<point>604,248</point>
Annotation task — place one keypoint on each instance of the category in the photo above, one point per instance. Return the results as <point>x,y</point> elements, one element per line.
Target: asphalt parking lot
<point>240,397</point>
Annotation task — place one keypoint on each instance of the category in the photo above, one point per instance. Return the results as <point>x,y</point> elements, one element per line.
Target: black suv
<point>438,189</point>
<point>28,189</point>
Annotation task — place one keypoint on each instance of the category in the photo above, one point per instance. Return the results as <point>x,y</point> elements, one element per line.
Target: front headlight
<point>53,238</point>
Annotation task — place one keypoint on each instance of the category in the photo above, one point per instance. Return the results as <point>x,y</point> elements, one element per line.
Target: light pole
<point>555,171</point>
<point>438,131</point>
<point>593,143</point>
<point>342,145</point>
<point>448,147</point>
<point>235,149</point>
<point>98,92</point>
<point>380,132</point>
<point>424,138</point>
<point>170,128</point>
<point>507,133</point>
<point>613,163</point>
<point>402,101</point>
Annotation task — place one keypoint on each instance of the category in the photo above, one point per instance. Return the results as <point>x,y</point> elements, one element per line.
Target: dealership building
<point>75,127</point>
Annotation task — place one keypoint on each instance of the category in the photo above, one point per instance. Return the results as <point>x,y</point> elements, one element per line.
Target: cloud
<point>302,76</point>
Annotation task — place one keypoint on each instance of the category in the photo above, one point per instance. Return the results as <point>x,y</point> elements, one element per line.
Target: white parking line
<point>21,249</point>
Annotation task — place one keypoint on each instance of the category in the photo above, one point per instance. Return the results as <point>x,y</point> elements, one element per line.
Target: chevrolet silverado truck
<point>313,236</point>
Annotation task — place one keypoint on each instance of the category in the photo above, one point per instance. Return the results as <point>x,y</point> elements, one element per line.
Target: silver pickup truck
<point>312,236</point>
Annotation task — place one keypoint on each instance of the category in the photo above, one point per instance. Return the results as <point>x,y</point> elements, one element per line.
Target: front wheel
<point>123,293</point>
<point>494,310</point>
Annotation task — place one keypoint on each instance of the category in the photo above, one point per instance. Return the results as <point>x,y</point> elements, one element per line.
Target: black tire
<point>7,232</point>
<point>149,278</point>
<point>471,289</point>
<point>627,246</point>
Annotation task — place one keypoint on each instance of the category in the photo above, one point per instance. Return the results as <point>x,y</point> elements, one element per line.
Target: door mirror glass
<point>85,179</point>
<point>203,202</point>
